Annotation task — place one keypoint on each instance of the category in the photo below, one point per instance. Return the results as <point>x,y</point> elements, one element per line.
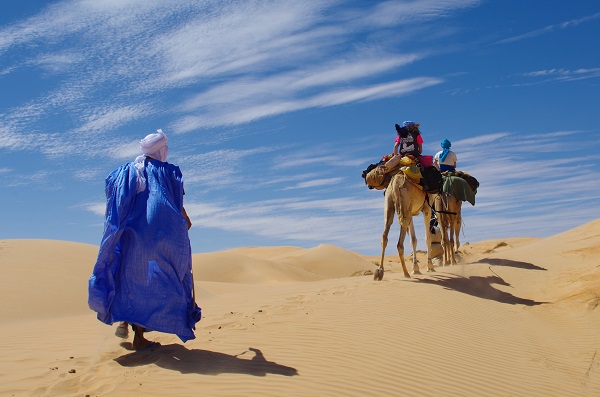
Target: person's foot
<point>122,330</point>
<point>143,344</point>
<point>139,342</point>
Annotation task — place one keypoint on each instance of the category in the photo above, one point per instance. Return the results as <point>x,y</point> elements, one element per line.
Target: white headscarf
<point>155,146</point>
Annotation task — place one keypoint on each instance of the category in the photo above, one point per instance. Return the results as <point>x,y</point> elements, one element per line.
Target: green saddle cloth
<point>459,188</point>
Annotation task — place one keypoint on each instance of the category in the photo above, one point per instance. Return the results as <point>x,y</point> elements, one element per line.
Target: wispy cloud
<point>390,13</point>
<point>221,168</point>
<point>549,29</point>
<point>564,74</point>
<point>288,220</point>
<point>319,156</point>
<point>241,112</point>
<point>39,180</point>
<point>316,183</point>
<point>109,118</point>
<point>236,62</point>
<point>95,208</point>
<point>57,63</point>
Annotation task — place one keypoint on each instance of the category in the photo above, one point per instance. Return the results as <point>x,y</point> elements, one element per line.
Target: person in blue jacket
<point>143,273</point>
<point>445,159</point>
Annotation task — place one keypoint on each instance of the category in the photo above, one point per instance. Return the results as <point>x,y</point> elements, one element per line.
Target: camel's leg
<point>389,219</point>
<point>441,206</point>
<point>453,207</point>
<point>400,246</point>
<point>454,225</point>
<point>458,224</point>
<point>403,212</point>
<point>411,232</point>
<point>448,248</point>
<point>451,230</point>
<point>413,242</point>
<point>427,219</point>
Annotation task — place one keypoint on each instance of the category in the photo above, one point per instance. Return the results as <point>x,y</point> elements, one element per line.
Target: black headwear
<point>402,131</point>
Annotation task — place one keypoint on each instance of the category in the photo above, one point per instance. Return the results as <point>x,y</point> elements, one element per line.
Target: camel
<point>449,218</point>
<point>406,199</point>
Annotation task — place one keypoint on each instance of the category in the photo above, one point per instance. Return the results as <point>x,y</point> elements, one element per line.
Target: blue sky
<point>274,108</point>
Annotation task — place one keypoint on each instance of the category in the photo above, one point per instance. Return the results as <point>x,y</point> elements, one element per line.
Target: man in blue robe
<point>143,273</point>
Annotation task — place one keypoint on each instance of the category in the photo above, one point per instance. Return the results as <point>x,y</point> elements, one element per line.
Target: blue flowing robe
<point>143,273</point>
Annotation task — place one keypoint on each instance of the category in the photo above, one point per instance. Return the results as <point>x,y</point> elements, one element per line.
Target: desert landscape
<point>516,317</point>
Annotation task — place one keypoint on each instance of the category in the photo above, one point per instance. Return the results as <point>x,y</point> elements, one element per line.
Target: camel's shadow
<point>178,358</point>
<point>478,286</point>
<point>510,263</point>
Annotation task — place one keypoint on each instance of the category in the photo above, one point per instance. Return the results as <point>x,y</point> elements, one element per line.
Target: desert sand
<point>516,317</point>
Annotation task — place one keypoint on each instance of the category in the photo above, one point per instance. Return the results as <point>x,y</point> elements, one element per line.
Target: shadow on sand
<point>478,286</point>
<point>178,358</point>
<point>509,263</point>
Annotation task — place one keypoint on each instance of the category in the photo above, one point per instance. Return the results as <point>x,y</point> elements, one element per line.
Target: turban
<point>155,146</point>
<point>446,146</point>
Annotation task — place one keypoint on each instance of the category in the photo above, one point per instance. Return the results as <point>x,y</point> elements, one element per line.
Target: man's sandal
<point>122,331</point>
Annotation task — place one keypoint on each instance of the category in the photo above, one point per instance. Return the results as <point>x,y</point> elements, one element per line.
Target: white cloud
<point>88,174</point>
<point>111,117</point>
<point>219,168</point>
<point>316,183</point>
<point>289,85</point>
<point>95,208</point>
<point>319,156</point>
<point>57,63</point>
<point>565,74</point>
<point>240,61</point>
<point>286,221</point>
<point>390,13</point>
<point>242,113</point>
<point>549,29</point>
<point>39,180</point>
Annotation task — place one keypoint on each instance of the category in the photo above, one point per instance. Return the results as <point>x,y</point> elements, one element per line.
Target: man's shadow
<point>178,358</point>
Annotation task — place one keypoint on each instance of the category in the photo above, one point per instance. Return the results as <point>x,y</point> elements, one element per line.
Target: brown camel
<point>448,209</point>
<point>406,199</point>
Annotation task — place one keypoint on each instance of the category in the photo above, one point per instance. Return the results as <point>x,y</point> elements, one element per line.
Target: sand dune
<point>279,264</point>
<point>517,317</point>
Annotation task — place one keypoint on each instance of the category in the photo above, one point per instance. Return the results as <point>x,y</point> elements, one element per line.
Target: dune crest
<point>278,264</point>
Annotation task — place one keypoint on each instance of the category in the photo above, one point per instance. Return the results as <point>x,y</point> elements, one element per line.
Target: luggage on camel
<point>473,183</point>
<point>413,172</point>
<point>432,179</point>
<point>378,176</point>
<point>461,185</point>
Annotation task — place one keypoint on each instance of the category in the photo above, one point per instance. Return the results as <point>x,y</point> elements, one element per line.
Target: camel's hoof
<point>378,275</point>
<point>417,271</point>
<point>406,275</point>
<point>431,269</point>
